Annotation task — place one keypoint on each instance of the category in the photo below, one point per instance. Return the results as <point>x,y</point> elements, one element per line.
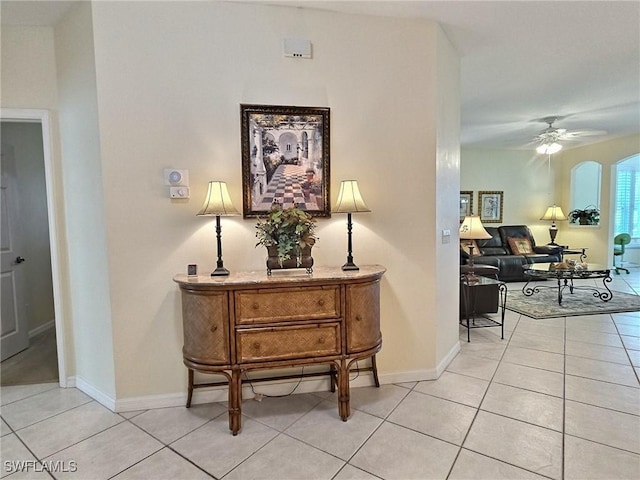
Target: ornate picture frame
<point>466,204</point>
<point>285,158</point>
<point>490,206</point>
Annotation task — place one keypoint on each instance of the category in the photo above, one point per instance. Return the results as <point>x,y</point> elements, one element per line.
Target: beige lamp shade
<point>349,198</point>
<point>554,213</point>
<point>472,229</point>
<point>218,201</point>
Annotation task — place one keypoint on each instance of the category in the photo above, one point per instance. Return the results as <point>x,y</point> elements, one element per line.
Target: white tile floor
<point>557,398</point>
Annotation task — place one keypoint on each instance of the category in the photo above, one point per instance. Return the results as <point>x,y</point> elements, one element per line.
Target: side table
<point>471,293</point>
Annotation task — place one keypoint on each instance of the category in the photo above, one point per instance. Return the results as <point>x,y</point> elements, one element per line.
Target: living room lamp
<point>552,214</point>
<point>350,201</point>
<point>472,229</point>
<point>218,203</point>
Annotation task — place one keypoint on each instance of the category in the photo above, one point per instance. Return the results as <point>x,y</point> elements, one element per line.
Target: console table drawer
<point>284,343</point>
<point>286,305</point>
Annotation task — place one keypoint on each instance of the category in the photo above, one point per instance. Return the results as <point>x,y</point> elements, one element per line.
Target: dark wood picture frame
<point>466,204</point>
<point>285,158</point>
<point>490,206</point>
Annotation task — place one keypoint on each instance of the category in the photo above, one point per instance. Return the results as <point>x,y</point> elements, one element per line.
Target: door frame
<point>55,243</point>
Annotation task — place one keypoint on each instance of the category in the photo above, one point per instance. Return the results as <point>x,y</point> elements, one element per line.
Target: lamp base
<point>350,266</point>
<point>220,272</point>
<point>471,278</point>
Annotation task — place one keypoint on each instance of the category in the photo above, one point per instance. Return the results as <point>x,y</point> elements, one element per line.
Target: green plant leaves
<point>290,229</point>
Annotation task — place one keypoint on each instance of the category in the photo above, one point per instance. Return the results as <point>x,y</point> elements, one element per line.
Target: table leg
<point>467,307</point>
<point>235,402</point>
<point>608,295</point>
<point>502,288</point>
<point>343,390</point>
<point>190,388</point>
<point>559,291</point>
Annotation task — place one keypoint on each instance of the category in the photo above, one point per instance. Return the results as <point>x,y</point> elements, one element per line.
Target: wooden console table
<point>250,321</point>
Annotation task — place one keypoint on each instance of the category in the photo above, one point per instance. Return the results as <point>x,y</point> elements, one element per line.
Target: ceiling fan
<point>549,139</point>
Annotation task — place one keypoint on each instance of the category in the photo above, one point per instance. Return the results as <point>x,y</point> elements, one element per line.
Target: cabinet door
<point>205,320</point>
<point>363,316</point>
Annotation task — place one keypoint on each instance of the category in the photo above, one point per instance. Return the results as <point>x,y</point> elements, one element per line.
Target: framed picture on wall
<point>490,205</point>
<point>285,158</point>
<point>466,204</point>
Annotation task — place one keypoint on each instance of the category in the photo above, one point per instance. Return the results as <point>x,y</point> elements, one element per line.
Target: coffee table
<point>565,278</point>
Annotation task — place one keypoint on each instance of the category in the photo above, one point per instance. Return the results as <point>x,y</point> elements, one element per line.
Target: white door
<point>15,334</point>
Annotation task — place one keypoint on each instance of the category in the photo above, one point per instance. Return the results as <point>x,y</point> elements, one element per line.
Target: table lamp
<point>472,229</point>
<point>218,203</point>
<point>350,201</point>
<point>552,214</point>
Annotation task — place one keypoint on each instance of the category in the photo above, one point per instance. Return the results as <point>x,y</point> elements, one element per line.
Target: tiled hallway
<point>557,398</point>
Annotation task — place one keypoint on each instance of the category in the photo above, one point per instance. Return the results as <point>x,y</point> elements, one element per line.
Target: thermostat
<point>176,178</point>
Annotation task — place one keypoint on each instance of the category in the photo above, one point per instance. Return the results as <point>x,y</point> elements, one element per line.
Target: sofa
<point>510,249</point>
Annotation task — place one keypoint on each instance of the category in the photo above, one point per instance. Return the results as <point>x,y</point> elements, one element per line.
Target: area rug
<point>544,304</point>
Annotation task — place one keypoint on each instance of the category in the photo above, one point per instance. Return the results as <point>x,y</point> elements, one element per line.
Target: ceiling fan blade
<point>584,133</point>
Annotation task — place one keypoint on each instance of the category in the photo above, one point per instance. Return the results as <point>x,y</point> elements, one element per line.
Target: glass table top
<point>578,268</point>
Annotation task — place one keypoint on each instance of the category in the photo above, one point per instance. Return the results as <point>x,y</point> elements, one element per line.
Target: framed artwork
<point>490,206</point>
<point>466,204</point>
<point>285,158</point>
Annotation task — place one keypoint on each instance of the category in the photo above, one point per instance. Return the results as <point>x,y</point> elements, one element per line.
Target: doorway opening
<point>30,267</point>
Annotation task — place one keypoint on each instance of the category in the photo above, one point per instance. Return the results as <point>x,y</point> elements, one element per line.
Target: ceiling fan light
<point>549,148</point>
<point>554,148</point>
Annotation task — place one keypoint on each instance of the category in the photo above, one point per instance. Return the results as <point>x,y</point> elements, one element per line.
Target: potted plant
<point>589,215</point>
<point>288,234</point>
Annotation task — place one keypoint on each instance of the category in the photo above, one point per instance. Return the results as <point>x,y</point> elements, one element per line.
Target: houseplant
<point>288,234</point>
<point>589,215</point>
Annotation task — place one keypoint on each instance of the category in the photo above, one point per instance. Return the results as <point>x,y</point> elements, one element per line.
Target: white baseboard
<point>42,328</point>
<point>448,358</point>
<point>275,387</point>
<point>95,393</point>
<point>421,375</point>
<point>220,394</point>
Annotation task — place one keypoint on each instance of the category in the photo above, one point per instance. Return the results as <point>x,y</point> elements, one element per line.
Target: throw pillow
<point>520,246</point>
<point>464,246</point>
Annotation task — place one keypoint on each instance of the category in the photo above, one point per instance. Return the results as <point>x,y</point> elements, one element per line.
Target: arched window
<point>585,187</point>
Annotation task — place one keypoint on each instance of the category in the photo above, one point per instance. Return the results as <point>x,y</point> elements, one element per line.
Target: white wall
<point>133,101</point>
<point>447,194</point>
<point>529,186</point>
<point>527,180</point>
<point>29,82</point>
<point>599,239</point>
<point>168,96</point>
<point>82,159</point>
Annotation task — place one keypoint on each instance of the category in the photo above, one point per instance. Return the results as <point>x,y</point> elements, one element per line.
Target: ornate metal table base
<point>565,278</point>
